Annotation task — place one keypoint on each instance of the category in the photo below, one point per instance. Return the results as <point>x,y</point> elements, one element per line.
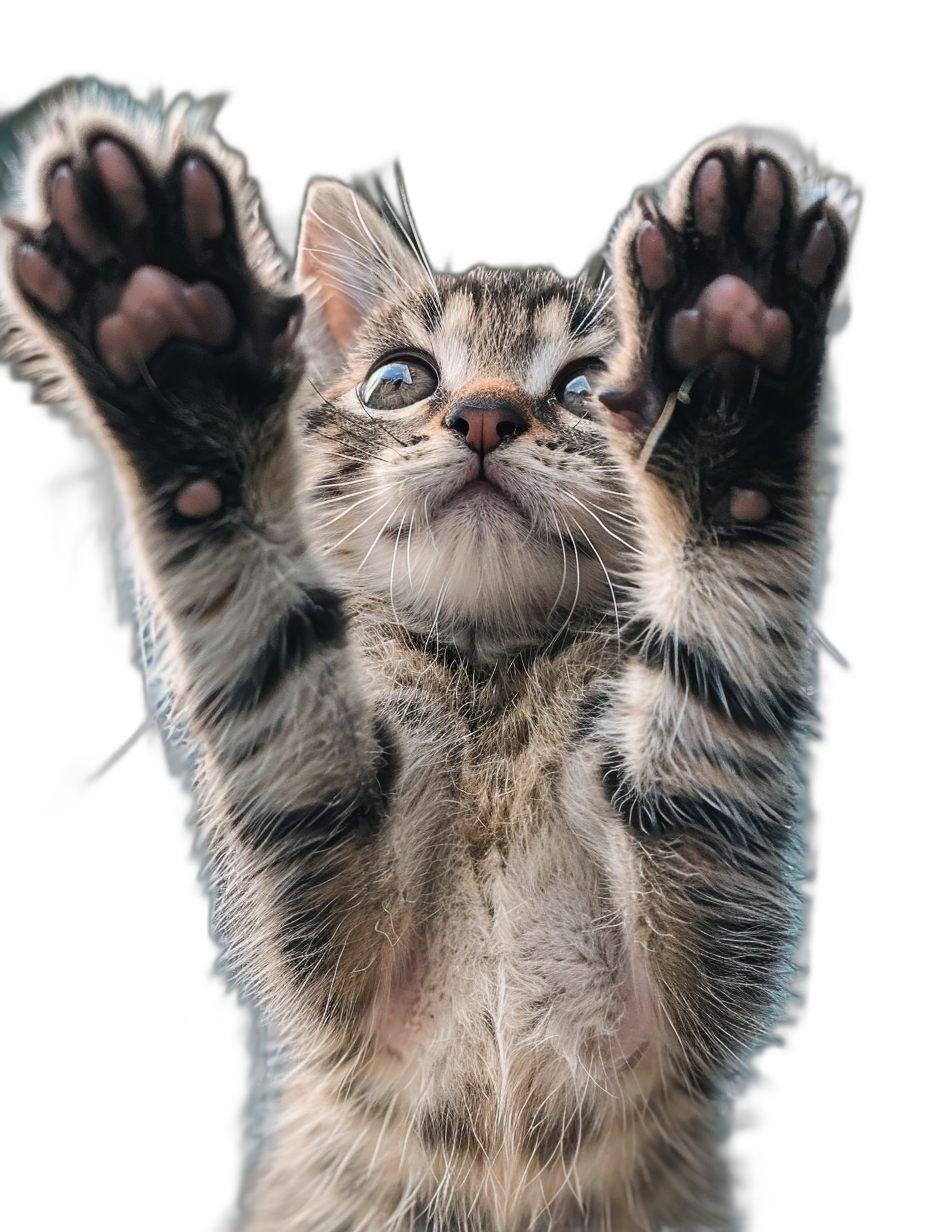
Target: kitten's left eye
<point>573,388</point>
<point>401,381</point>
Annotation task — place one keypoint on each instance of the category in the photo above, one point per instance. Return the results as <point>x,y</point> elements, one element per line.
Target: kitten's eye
<point>574,390</point>
<point>401,381</point>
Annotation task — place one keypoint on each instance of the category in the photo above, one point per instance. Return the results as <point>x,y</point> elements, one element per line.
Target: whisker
<point>363,501</point>
<point>409,548</point>
<point>573,607</point>
<point>609,581</point>
<point>354,530</point>
<point>618,538</point>
<point>378,535</point>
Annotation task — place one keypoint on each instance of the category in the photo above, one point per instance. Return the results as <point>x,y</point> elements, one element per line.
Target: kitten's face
<point>460,468</point>
<point>465,474</point>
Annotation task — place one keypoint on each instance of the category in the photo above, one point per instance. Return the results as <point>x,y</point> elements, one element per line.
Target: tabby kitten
<point>483,602</point>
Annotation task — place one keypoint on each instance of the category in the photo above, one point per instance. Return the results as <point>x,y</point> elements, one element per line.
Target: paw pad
<point>122,182</point>
<point>765,212</point>
<point>204,216</point>
<point>40,279</point>
<point>710,199</point>
<point>155,307</point>
<point>200,498</point>
<point>729,316</point>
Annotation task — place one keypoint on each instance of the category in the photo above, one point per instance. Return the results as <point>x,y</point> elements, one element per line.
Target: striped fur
<point>500,786</point>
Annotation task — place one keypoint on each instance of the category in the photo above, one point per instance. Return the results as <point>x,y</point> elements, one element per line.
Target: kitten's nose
<point>484,427</point>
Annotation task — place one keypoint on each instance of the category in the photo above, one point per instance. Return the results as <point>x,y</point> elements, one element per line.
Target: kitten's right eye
<point>402,381</point>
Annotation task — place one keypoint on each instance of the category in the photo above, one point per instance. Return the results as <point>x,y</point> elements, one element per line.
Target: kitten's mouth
<point>479,482</point>
<point>482,483</point>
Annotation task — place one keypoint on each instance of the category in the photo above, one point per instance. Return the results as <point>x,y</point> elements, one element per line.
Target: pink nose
<point>484,428</point>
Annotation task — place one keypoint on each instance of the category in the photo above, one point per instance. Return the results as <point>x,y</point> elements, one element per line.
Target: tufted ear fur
<point>350,258</point>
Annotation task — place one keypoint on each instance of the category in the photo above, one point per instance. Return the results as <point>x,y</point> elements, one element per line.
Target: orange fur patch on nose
<point>486,391</point>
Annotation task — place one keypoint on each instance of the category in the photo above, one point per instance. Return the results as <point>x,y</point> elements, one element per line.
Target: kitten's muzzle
<point>486,425</point>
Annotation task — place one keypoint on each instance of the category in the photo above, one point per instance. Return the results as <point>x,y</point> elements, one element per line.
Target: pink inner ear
<point>350,257</point>
<point>342,315</point>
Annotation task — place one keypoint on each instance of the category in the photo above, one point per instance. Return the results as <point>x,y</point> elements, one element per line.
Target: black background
<point>130,1052</point>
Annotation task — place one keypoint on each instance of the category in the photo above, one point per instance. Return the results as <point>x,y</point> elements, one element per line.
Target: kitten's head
<point>457,461</point>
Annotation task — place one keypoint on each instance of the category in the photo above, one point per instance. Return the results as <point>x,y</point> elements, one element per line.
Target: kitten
<point>483,601</point>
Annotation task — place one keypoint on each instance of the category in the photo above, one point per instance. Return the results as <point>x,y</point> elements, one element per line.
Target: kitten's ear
<point>349,259</point>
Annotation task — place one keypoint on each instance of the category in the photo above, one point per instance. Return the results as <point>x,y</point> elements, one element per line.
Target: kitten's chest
<point>509,775</point>
<point>519,949</point>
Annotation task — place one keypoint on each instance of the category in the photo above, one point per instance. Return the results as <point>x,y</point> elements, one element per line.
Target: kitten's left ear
<point>349,259</point>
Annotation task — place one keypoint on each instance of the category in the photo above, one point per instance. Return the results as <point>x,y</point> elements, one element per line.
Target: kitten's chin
<point>490,596</point>
<point>480,489</point>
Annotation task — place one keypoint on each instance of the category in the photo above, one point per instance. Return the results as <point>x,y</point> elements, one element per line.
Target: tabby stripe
<point>663,813</point>
<point>183,556</point>
<point>316,620</point>
<point>312,828</point>
<point>213,535</point>
<point>309,830</point>
<point>592,708</point>
<point>702,676</point>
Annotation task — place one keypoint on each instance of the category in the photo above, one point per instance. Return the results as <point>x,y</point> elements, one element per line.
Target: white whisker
<point>377,536</point>
<point>354,530</point>
<point>618,538</point>
<point>338,517</point>
<point>609,581</point>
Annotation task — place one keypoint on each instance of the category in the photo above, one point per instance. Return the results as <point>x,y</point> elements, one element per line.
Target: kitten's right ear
<point>349,259</point>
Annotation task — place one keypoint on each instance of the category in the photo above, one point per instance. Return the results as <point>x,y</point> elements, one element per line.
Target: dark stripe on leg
<point>315,621</point>
<point>305,832</point>
<point>710,815</point>
<point>702,677</point>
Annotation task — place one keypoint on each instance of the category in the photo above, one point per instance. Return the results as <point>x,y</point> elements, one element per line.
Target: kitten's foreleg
<point>141,285</point>
<point>723,288</point>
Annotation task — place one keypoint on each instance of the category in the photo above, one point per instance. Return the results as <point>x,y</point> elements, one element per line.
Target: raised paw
<point>129,262</point>
<point>723,289</point>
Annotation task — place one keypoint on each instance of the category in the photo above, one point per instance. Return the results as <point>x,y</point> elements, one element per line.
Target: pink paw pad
<point>710,200</point>
<point>122,181</point>
<point>654,257</point>
<point>204,216</point>
<point>729,315</point>
<point>818,254</point>
<point>200,498</point>
<point>155,307</point>
<point>67,210</point>
<point>748,505</point>
<point>765,212</point>
<point>40,279</point>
